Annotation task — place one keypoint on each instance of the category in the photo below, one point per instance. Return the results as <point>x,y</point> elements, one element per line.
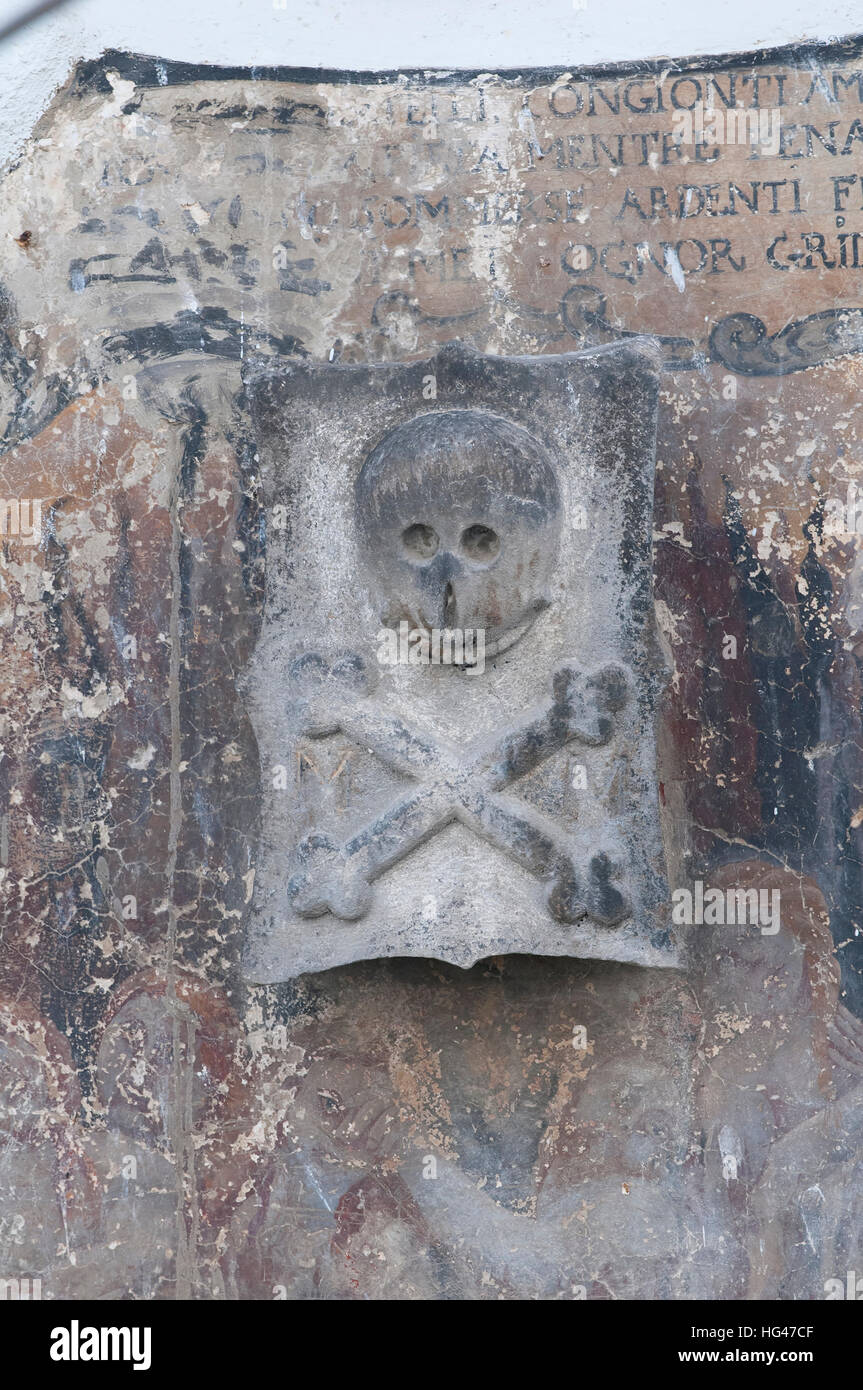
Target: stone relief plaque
<point>456,677</point>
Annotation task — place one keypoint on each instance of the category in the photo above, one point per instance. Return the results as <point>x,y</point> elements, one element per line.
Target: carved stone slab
<point>455,683</point>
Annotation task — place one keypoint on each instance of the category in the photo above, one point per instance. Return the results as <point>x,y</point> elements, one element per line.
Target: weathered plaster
<point>701,1136</point>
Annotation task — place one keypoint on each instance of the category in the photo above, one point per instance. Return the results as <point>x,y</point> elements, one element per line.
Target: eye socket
<point>480,544</point>
<point>420,541</point>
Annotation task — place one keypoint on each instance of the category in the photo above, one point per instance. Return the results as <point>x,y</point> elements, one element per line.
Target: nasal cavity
<point>448,604</point>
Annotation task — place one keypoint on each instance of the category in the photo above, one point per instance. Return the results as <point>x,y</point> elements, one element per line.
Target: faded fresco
<point>533,1125</point>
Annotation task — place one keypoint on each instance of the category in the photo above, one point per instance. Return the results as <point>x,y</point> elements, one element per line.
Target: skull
<point>459,515</point>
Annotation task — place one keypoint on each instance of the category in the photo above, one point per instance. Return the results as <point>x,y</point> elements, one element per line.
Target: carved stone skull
<point>459,515</point>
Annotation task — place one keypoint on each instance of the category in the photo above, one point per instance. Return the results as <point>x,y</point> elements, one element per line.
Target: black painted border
<point>144,71</point>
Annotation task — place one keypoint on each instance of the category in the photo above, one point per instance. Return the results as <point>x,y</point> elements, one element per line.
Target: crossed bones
<point>454,784</point>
